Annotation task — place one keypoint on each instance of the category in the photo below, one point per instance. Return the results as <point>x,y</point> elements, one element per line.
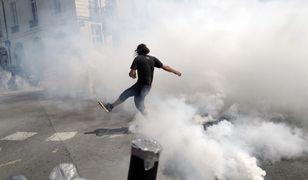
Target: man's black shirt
<point>144,64</point>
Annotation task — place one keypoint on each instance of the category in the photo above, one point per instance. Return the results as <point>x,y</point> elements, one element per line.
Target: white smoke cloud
<point>244,60</point>
<point>249,51</point>
<point>227,150</point>
<point>9,82</point>
<point>5,78</point>
<point>252,52</point>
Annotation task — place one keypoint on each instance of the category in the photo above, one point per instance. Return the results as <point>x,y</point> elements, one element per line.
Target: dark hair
<point>142,49</point>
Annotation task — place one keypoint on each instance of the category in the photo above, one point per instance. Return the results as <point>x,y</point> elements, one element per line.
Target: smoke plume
<point>243,64</point>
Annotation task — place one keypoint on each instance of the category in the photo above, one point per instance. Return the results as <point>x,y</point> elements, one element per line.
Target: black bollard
<point>144,160</point>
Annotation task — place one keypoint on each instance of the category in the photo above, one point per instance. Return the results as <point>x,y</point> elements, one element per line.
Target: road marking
<point>10,163</point>
<point>61,136</point>
<point>19,136</point>
<point>54,151</point>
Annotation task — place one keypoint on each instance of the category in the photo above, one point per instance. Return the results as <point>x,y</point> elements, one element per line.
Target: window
<point>1,31</point>
<point>14,13</point>
<point>56,6</point>
<point>95,7</point>
<point>97,36</point>
<point>34,21</point>
<point>110,6</point>
<point>3,58</point>
<point>14,17</point>
<point>34,10</point>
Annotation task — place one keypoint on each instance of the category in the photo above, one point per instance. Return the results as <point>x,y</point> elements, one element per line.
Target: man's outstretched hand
<point>170,69</point>
<point>178,73</point>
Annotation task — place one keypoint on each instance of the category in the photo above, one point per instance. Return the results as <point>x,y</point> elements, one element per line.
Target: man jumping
<point>144,65</point>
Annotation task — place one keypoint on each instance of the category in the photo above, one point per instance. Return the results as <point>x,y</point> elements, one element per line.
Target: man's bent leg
<point>117,102</point>
<point>139,103</point>
<point>139,99</point>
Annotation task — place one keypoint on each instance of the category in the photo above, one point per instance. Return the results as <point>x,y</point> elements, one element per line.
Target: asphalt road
<point>37,133</point>
<point>25,114</point>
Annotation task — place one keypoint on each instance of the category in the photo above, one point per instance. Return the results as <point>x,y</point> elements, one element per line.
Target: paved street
<point>38,133</point>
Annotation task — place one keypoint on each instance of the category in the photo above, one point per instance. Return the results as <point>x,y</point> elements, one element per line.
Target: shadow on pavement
<point>111,131</point>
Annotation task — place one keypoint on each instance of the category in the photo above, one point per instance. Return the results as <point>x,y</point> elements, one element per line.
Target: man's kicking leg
<point>124,95</point>
<point>110,106</point>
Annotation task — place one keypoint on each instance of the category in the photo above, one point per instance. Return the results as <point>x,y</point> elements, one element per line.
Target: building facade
<point>25,23</point>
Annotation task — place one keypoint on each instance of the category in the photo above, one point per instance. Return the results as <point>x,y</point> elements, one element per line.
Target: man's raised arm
<point>171,70</point>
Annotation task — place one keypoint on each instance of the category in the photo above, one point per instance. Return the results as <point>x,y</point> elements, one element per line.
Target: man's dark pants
<point>139,91</point>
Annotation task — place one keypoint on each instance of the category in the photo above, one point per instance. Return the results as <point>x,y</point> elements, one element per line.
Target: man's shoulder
<point>138,59</point>
<point>145,58</point>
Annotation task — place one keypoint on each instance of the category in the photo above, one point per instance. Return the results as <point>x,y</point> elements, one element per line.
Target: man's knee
<point>123,97</point>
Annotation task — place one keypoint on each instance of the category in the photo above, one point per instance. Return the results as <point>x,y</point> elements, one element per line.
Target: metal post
<point>144,160</point>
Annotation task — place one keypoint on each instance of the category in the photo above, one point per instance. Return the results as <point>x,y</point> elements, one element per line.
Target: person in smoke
<point>143,65</point>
